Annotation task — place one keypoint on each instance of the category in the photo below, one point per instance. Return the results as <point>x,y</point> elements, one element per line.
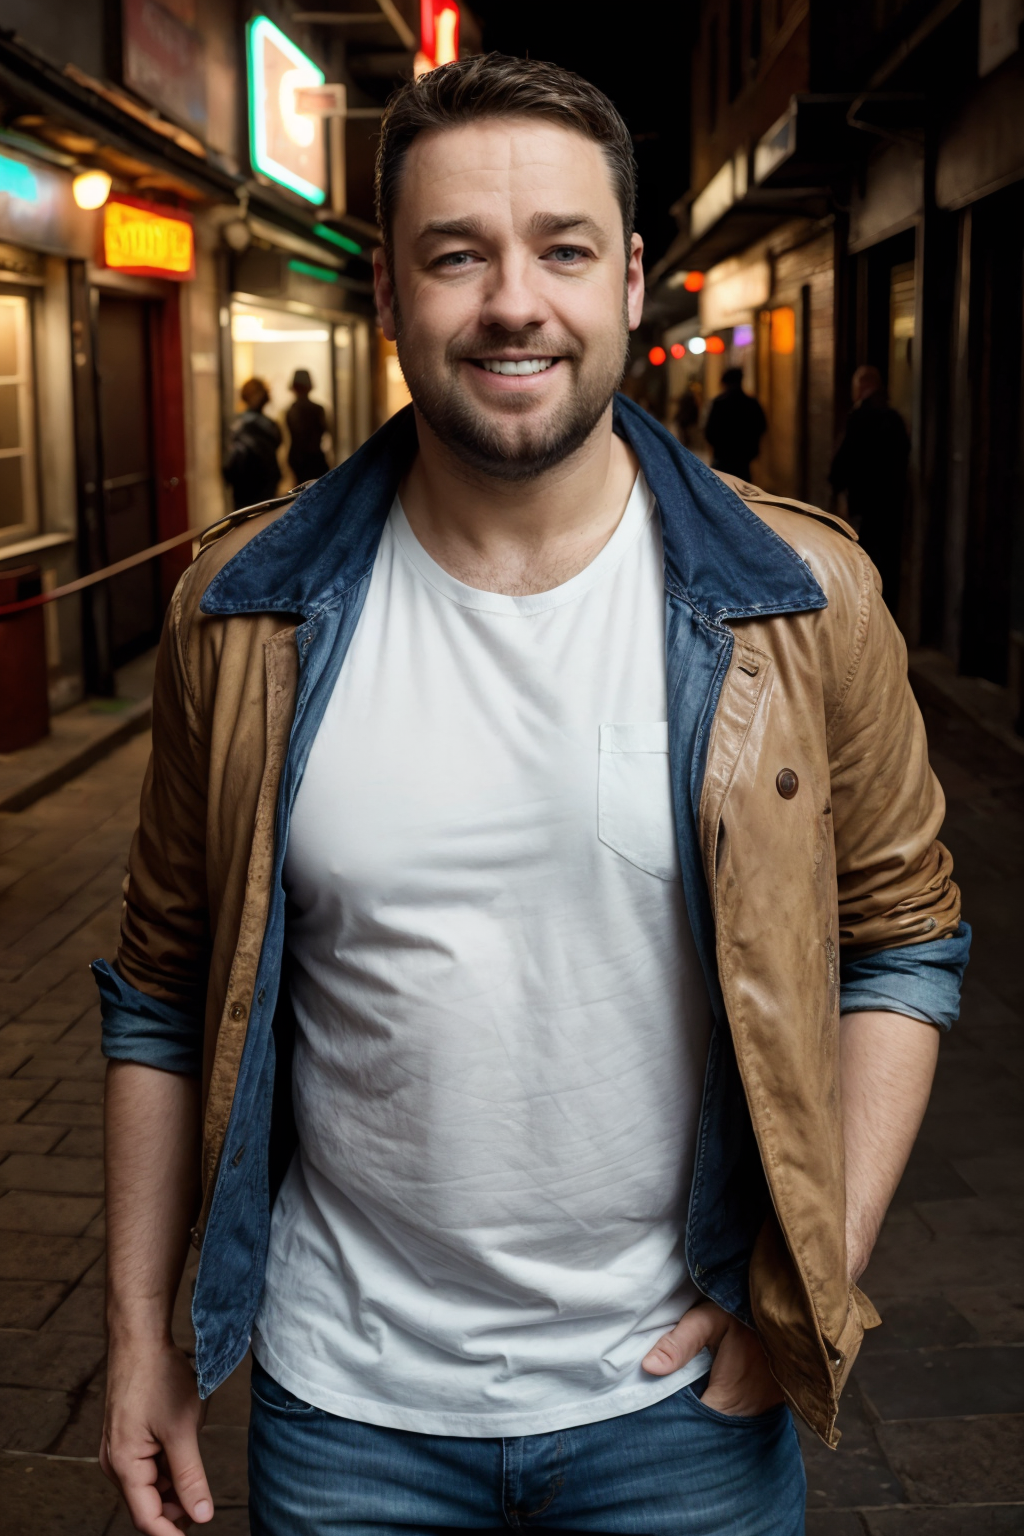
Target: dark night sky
<point>641,61</point>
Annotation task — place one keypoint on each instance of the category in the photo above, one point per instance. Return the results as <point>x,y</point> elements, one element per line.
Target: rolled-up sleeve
<point>143,1029</point>
<point>153,996</point>
<point>902,945</point>
<point>920,980</point>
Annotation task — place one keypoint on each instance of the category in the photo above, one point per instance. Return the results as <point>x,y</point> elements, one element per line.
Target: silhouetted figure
<point>251,468</point>
<point>870,465</point>
<point>735,426</point>
<point>307,423</point>
<point>687,417</point>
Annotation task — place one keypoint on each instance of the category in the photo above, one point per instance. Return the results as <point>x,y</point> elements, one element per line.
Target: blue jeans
<point>677,1468</point>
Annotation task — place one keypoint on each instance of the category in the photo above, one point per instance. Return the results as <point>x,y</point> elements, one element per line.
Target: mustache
<point>490,342</point>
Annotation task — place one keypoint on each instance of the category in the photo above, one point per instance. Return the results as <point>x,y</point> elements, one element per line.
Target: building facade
<point>856,197</point>
<point>186,202</point>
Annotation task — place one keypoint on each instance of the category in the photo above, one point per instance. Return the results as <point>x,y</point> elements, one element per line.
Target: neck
<point>518,537</point>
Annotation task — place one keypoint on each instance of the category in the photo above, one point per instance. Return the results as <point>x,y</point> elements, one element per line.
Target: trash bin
<point>24,706</point>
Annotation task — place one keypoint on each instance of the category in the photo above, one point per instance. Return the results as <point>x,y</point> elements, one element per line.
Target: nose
<point>513,300</point>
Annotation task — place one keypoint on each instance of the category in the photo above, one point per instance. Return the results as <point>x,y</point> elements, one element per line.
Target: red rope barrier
<point>97,576</point>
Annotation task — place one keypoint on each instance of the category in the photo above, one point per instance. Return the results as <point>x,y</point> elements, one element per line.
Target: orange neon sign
<point>146,240</point>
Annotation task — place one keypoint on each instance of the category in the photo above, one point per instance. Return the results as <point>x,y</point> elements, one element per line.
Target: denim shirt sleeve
<point>920,980</point>
<point>140,1028</point>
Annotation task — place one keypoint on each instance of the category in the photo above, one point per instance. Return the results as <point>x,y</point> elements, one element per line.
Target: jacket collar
<point>719,555</point>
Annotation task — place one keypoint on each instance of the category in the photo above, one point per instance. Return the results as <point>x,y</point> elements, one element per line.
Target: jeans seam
<point>511,1463</point>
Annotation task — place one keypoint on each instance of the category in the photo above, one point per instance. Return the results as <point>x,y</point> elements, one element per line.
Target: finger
<point>186,1468</point>
<point>703,1326</point>
<point>149,1514</point>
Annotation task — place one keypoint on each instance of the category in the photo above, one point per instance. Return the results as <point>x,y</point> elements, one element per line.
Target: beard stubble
<point>483,445</point>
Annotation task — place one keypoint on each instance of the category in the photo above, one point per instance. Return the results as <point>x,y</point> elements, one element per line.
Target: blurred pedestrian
<point>735,426</point>
<point>307,423</point>
<point>687,416</point>
<point>870,465</point>
<point>251,468</point>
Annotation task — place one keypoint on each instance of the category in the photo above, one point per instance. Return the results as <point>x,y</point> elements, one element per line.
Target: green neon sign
<point>308,269</point>
<point>332,236</point>
<point>284,145</point>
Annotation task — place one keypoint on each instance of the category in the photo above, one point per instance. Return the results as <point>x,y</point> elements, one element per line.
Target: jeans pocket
<point>766,1420</point>
<point>270,1394</point>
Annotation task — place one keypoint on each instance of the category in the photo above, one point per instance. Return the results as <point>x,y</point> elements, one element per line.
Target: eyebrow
<point>540,224</point>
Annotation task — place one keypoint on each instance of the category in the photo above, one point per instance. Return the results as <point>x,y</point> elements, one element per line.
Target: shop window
<point>272,344</point>
<point>394,392</point>
<point>902,308</point>
<point>344,392</point>
<point>17,426</point>
<point>778,390</point>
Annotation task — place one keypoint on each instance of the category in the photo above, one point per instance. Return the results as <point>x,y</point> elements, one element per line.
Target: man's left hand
<point>741,1382</point>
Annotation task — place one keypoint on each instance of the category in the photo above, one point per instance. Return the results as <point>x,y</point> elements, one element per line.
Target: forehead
<point>504,164</point>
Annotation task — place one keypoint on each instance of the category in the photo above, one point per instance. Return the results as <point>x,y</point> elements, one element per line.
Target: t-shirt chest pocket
<point>634,796</point>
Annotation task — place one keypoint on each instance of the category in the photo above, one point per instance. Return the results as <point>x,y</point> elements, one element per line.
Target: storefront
<point>43,237</point>
<point>130,422</point>
<point>288,312</point>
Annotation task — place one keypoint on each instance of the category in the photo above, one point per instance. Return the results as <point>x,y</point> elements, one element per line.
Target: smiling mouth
<point>508,365</point>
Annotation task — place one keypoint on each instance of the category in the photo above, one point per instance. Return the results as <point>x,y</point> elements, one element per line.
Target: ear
<point>384,294</point>
<point>635,282</point>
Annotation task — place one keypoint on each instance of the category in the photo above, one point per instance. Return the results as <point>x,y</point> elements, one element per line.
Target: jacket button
<point>237,1011</point>
<point>787,783</point>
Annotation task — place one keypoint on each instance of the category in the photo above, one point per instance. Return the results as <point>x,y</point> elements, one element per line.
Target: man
<point>870,465</point>
<point>735,427</point>
<point>251,468</point>
<point>525,806</point>
<point>307,423</point>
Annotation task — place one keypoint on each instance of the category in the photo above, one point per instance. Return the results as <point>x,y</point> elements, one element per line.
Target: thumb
<point>185,1466</point>
<point>702,1327</point>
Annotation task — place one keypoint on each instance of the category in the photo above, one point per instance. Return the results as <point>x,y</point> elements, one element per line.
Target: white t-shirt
<point>501,1021</point>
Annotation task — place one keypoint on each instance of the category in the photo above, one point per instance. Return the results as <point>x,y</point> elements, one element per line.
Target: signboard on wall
<point>163,58</point>
<point>285,144</point>
<point>148,240</point>
<point>38,210</point>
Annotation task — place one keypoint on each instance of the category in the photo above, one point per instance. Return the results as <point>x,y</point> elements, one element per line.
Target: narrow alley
<point>933,1420</point>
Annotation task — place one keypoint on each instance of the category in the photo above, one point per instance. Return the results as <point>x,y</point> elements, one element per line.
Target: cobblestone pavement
<point>933,1421</point>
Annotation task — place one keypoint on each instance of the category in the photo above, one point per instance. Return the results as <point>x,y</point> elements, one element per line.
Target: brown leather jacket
<point>842,851</point>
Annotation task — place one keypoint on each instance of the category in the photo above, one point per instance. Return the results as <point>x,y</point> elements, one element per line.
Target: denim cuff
<point>140,1028</point>
<point>920,980</point>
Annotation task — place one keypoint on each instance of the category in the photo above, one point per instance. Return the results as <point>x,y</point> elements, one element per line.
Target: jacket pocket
<point>634,797</point>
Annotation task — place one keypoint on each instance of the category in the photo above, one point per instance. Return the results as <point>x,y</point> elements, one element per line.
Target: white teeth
<point>525,365</point>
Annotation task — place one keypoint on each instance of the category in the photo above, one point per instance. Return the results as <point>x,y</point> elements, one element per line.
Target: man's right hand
<point>150,1445</point>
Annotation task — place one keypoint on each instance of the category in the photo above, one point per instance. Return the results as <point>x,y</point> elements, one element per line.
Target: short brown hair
<point>497,85</point>
<point>255,394</point>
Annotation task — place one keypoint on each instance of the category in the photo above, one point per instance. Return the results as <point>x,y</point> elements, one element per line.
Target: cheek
<point>437,315</point>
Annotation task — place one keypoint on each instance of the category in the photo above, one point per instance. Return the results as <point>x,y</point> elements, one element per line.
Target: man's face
<point>511,295</point>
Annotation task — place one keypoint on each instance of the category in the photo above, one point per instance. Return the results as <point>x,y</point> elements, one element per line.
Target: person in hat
<point>307,423</point>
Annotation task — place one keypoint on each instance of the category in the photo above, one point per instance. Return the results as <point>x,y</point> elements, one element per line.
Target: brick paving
<point>61,866</point>
<point>933,1421</point>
